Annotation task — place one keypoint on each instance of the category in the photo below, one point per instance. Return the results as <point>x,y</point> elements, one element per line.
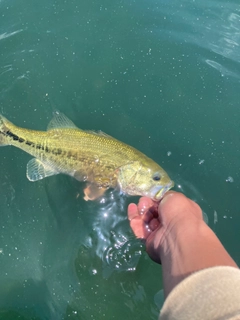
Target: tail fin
<point>3,130</point>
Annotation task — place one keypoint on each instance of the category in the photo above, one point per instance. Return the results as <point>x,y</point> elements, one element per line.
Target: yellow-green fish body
<point>95,157</point>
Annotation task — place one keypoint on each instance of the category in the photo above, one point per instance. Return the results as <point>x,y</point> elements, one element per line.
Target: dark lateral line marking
<point>12,135</point>
<point>21,140</point>
<point>40,146</point>
<point>57,151</point>
<point>32,144</point>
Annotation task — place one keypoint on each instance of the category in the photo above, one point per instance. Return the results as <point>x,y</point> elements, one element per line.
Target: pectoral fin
<point>92,192</point>
<point>80,175</point>
<point>37,170</point>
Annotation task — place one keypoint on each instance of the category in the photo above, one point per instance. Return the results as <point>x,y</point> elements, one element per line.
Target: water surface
<point>160,76</point>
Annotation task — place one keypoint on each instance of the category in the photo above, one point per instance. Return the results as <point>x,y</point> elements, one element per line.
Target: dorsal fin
<point>100,133</point>
<point>59,121</point>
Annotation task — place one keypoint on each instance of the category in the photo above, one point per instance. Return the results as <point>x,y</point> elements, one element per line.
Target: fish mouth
<point>158,196</point>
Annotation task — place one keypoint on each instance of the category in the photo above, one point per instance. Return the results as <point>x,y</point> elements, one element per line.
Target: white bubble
<point>205,217</point>
<point>94,271</point>
<point>215,217</point>
<point>169,153</point>
<point>103,200</point>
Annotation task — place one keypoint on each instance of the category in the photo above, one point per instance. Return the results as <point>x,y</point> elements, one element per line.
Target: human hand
<point>177,237</point>
<point>154,221</point>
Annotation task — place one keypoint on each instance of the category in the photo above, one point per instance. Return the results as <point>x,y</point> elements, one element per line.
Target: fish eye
<point>156,177</point>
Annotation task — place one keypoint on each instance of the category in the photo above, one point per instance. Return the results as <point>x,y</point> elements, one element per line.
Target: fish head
<point>144,179</point>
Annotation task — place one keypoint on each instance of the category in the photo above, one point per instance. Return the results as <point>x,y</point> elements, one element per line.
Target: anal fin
<point>37,170</point>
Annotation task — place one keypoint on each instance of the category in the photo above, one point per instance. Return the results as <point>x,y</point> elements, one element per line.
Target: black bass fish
<point>95,157</point>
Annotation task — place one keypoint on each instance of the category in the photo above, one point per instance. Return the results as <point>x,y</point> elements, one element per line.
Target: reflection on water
<point>99,235</point>
<point>74,236</point>
<point>122,256</point>
<point>225,71</point>
<point>111,229</point>
<point>210,25</point>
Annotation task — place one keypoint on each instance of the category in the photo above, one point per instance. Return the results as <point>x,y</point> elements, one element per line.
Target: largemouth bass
<point>95,157</point>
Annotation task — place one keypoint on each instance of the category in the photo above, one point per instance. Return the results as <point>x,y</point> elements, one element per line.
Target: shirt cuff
<point>212,293</point>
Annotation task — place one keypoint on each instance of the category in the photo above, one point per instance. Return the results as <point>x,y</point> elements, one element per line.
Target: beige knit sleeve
<point>209,294</point>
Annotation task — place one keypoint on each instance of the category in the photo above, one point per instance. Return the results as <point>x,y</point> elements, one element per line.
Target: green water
<point>162,76</point>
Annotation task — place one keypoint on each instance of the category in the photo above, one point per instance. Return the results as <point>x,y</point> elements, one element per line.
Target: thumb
<point>175,204</point>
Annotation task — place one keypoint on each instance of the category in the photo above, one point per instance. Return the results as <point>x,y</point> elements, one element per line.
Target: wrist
<point>193,246</point>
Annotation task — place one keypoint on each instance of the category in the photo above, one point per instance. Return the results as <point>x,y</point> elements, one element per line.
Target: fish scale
<point>95,157</point>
